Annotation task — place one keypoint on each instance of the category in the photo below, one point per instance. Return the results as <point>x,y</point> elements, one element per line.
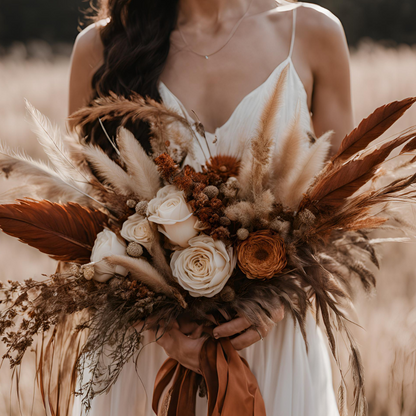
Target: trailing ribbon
<point>231,386</point>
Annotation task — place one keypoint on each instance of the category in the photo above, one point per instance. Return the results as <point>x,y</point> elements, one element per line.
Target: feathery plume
<point>141,168</point>
<point>108,171</point>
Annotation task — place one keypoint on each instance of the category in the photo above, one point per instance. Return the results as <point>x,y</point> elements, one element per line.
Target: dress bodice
<point>231,137</point>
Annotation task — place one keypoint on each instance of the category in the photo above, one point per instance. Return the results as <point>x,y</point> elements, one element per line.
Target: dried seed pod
<point>227,294</point>
<point>211,191</point>
<point>74,270</point>
<point>131,203</point>
<point>225,222</point>
<point>306,217</point>
<point>243,234</point>
<point>141,207</point>
<point>88,271</point>
<point>134,250</point>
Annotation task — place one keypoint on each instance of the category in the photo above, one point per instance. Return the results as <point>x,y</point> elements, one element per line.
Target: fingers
<point>246,339</point>
<point>182,348</point>
<point>278,314</point>
<point>233,327</point>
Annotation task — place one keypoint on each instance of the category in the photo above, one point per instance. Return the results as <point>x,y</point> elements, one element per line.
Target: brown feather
<point>371,128</point>
<point>410,146</point>
<point>63,232</point>
<point>345,180</point>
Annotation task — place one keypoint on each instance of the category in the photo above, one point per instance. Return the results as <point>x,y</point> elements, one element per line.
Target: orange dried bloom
<point>224,166</point>
<point>262,255</point>
<point>167,167</point>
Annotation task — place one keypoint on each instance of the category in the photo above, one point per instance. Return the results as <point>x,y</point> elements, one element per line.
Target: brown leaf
<point>64,232</point>
<point>371,128</point>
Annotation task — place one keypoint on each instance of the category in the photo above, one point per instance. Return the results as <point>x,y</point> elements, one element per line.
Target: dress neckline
<point>287,61</point>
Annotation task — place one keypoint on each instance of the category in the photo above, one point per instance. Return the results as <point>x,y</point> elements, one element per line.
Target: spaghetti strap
<point>292,42</point>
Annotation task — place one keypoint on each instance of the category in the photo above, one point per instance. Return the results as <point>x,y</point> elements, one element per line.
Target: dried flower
<point>173,215</point>
<point>88,271</point>
<point>224,166</point>
<point>262,255</point>
<point>243,234</point>
<point>211,191</point>
<point>230,188</point>
<point>134,250</point>
<point>107,244</point>
<point>137,229</point>
<point>227,294</point>
<point>225,222</point>
<point>167,167</point>
<point>141,208</point>
<point>204,268</point>
<point>131,203</point>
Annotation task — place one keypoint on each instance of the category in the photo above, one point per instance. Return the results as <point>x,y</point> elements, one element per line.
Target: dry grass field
<point>388,318</point>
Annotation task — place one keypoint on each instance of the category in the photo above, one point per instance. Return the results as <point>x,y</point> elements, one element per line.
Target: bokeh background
<point>36,38</point>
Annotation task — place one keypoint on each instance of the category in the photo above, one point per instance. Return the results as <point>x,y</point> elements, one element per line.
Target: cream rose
<point>106,244</point>
<point>170,210</point>
<point>204,267</point>
<point>137,230</point>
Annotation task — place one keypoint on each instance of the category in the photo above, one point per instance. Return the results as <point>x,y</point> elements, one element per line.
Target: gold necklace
<point>206,56</point>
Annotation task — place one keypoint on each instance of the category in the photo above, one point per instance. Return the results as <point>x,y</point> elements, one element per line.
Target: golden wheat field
<point>387,318</point>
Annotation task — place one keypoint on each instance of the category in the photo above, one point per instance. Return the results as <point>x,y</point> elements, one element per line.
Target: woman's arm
<point>324,46</point>
<point>87,57</point>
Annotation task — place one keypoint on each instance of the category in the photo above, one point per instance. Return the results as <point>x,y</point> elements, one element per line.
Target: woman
<point>220,59</point>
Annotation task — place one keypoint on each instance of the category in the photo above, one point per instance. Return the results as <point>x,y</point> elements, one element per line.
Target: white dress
<point>292,380</point>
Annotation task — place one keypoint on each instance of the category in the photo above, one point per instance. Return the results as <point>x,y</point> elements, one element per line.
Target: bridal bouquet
<point>142,239</point>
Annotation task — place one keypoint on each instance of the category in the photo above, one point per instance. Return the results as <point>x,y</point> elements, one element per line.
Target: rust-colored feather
<point>63,232</point>
<point>345,180</point>
<point>371,128</point>
<point>410,146</point>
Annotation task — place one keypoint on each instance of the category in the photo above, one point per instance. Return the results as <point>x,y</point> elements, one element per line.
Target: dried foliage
<point>300,230</point>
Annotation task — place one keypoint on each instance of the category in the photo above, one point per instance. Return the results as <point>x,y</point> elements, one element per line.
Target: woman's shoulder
<point>315,20</point>
<point>88,44</point>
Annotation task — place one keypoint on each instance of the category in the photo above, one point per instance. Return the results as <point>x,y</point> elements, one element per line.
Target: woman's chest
<point>214,87</point>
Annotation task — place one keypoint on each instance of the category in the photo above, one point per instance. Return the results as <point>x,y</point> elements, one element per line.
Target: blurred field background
<point>35,41</point>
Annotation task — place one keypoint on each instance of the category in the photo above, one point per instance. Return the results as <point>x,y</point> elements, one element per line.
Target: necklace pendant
<point>206,56</point>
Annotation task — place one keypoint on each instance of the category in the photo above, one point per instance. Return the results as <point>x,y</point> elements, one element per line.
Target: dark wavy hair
<point>136,43</point>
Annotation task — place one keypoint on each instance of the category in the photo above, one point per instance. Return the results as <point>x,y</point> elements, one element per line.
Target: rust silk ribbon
<point>231,386</point>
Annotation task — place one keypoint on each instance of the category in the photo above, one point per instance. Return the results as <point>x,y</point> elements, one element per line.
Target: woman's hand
<point>183,342</point>
<point>248,335</point>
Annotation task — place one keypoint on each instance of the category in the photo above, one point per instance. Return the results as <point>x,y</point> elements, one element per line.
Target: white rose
<point>204,267</point>
<point>106,244</point>
<point>137,230</point>
<point>170,210</point>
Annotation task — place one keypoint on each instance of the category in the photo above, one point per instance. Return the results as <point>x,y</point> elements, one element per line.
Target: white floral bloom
<point>106,244</point>
<point>204,267</point>
<point>137,230</point>
<point>170,210</point>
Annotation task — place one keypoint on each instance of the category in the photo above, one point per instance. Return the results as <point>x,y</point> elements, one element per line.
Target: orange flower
<point>262,255</point>
<point>224,166</point>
